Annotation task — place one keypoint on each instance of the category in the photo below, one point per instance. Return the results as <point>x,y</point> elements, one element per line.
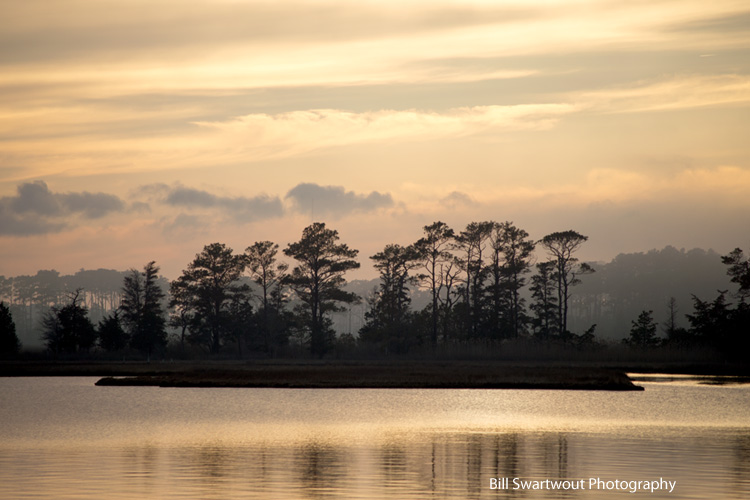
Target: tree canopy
<point>318,278</point>
<point>206,290</point>
<point>68,329</point>
<point>561,246</point>
<point>142,309</point>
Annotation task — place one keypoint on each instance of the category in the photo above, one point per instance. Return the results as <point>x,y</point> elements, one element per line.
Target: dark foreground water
<point>64,438</point>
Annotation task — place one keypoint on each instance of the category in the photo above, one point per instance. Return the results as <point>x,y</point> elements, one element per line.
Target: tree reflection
<point>320,468</point>
<point>741,466</point>
<point>393,463</point>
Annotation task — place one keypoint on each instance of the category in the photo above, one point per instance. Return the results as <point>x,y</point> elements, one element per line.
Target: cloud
<point>208,44</point>
<point>239,208</point>
<point>153,192</point>
<point>28,225</point>
<point>86,29</point>
<point>457,199</point>
<point>734,22</point>
<point>182,196</point>
<point>34,197</point>
<point>140,207</point>
<point>92,205</point>
<point>37,210</point>
<point>678,92</point>
<point>334,200</point>
<point>299,132</point>
<point>184,224</point>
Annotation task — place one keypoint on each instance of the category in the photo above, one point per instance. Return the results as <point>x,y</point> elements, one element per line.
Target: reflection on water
<point>65,438</point>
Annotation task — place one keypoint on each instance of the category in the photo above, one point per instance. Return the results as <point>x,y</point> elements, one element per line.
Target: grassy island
<point>384,375</point>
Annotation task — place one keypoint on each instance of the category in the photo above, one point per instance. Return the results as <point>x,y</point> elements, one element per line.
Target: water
<point>64,438</point>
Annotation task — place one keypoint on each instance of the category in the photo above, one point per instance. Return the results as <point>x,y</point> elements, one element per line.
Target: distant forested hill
<point>619,290</point>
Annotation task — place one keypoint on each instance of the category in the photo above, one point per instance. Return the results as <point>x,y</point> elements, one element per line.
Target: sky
<point>139,130</point>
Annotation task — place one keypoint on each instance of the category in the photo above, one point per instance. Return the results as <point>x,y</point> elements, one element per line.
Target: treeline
<point>29,297</point>
<point>717,324</point>
<point>484,286</point>
<point>663,281</point>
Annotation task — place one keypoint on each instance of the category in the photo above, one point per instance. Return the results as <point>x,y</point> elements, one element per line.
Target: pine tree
<point>643,331</point>
<point>142,309</point>
<point>68,329</point>
<point>112,337</point>
<point>207,289</point>
<point>9,343</point>
<point>387,321</point>
<point>318,280</point>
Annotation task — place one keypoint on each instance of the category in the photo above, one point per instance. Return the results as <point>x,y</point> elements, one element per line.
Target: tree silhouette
<point>436,264</point>
<point>210,284</point>
<point>142,311</point>
<point>9,343</point>
<point>473,244</point>
<point>181,307</point>
<point>739,270</point>
<point>319,277</point>
<point>512,253</point>
<point>241,321</point>
<point>112,337</point>
<point>269,275</point>
<point>561,247</point>
<point>388,320</point>
<point>543,292</point>
<point>643,331</point>
<point>711,322</point>
<point>68,329</point>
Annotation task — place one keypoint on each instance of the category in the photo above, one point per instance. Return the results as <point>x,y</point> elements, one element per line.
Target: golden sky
<point>138,130</point>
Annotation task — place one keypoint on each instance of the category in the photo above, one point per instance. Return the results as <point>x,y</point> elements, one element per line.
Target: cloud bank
<point>37,210</point>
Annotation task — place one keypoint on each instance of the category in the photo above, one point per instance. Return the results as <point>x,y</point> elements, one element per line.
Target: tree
<point>711,322</point>
<point>142,311</point>
<point>544,305</point>
<point>561,247</point>
<point>719,325</point>
<point>435,259</point>
<point>68,329</point>
<point>387,321</point>
<point>319,277</point>
<point>669,327</point>
<point>473,242</point>
<point>269,275</point>
<point>676,336</point>
<point>241,322</point>
<point>643,331</point>
<point>9,343</point>
<point>739,270</point>
<point>111,335</point>
<point>516,249</point>
<point>210,284</point>
<point>181,307</point>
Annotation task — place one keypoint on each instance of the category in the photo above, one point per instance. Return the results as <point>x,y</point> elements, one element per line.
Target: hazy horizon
<point>367,272</point>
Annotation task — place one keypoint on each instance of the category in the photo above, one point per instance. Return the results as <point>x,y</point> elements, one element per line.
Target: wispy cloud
<point>299,132</point>
<point>231,45</point>
<point>676,92</point>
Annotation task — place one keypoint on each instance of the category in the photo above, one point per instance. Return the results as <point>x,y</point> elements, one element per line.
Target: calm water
<point>64,438</point>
